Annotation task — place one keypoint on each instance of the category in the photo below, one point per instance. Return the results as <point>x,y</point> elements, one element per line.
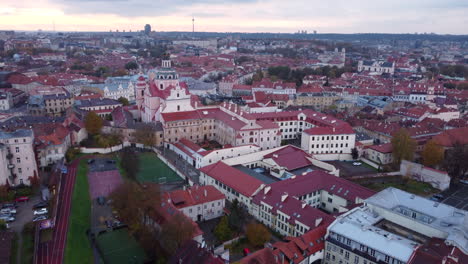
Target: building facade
<point>17,157</point>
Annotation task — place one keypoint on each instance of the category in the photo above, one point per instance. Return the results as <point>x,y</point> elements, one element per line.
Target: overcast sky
<point>332,16</point>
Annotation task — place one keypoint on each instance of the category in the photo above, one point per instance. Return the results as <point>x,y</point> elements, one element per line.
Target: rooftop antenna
<point>193,24</point>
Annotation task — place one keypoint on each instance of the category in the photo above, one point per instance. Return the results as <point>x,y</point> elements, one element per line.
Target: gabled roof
<point>193,196</point>
<point>233,178</point>
<point>320,180</point>
<point>290,157</point>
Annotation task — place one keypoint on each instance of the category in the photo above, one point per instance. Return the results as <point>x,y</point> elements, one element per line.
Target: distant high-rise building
<point>147,29</point>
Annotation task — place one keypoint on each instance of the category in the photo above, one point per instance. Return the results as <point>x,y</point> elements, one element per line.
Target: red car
<point>22,199</point>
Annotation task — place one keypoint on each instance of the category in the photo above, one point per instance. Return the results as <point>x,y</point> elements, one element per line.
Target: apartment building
<point>17,157</point>
<point>329,142</point>
<point>199,203</point>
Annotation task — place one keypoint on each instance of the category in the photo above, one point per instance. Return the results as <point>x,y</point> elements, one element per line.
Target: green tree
<point>132,65</point>
<point>403,146</point>
<point>131,163</point>
<point>222,230</point>
<point>257,234</point>
<point>3,225</point>
<point>432,154</point>
<point>93,123</point>
<point>123,101</point>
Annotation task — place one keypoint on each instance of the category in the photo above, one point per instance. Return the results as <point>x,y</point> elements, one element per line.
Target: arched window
<point>178,108</point>
<point>161,86</point>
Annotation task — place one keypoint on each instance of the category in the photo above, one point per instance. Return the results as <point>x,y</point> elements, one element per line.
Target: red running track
<point>53,251</point>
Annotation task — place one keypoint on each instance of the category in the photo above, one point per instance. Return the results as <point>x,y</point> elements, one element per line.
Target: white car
<point>40,211</point>
<point>39,218</point>
<point>357,163</point>
<point>7,218</point>
<point>8,211</point>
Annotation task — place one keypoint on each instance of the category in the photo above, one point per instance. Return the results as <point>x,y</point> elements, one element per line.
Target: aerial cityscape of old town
<point>237,132</point>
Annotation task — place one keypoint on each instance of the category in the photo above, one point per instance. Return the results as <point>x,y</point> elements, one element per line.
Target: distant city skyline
<point>352,16</point>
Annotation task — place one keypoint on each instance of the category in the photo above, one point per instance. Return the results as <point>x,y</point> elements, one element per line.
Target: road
<point>53,251</point>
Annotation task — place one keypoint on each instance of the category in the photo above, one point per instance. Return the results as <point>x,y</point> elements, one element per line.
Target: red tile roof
<point>233,178</point>
<point>290,157</point>
<point>194,196</point>
<point>339,130</point>
<point>384,148</point>
<point>320,180</point>
<point>450,137</point>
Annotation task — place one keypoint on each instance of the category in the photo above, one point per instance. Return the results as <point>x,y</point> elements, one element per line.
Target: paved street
<point>181,165</point>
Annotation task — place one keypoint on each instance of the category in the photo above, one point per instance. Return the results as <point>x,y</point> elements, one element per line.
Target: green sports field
<point>119,247</point>
<point>152,169</point>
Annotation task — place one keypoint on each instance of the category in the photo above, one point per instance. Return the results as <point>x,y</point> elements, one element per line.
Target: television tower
<point>193,25</point>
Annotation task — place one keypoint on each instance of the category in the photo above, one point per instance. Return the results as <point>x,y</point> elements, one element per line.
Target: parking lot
<point>24,214</point>
<point>457,197</point>
<point>347,169</point>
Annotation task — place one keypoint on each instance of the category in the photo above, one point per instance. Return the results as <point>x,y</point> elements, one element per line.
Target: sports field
<point>119,247</point>
<point>152,169</point>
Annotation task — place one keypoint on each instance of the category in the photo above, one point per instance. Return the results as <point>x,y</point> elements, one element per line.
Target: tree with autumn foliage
<point>432,154</point>
<point>135,203</point>
<point>403,146</point>
<point>176,232</point>
<point>257,234</point>
<point>93,123</point>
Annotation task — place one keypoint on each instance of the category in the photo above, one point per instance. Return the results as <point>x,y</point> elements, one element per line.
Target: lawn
<point>119,246</point>
<point>27,247</point>
<point>152,169</point>
<point>411,186</point>
<point>78,248</point>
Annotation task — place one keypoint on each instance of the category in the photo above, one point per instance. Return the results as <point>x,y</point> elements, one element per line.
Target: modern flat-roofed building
<point>391,227</point>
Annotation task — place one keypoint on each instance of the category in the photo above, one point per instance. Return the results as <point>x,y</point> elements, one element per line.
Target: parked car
<point>8,211</point>
<point>41,205</point>
<point>357,163</point>
<point>22,199</point>
<point>90,161</point>
<point>39,218</point>
<point>40,211</point>
<point>7,218</point>
<point>464,182</point>
<point>9,205</point>
<point>111,161</point>
<point>438,196</point>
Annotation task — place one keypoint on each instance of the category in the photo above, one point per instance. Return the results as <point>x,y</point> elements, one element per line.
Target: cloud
<point>341,16</point>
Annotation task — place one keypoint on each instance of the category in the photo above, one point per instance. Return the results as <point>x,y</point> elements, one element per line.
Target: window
<point>20,170</point>
<point>346,255</point>
<point>17,149</point>
<point>18,160</point>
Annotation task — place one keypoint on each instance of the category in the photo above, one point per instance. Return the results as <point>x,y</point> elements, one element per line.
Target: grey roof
<point>263,178</point>
<point>96,102</point>
<point>25,121</point>
<point>359,225</point>
<point>16,134</point>
<point>444,218</point>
